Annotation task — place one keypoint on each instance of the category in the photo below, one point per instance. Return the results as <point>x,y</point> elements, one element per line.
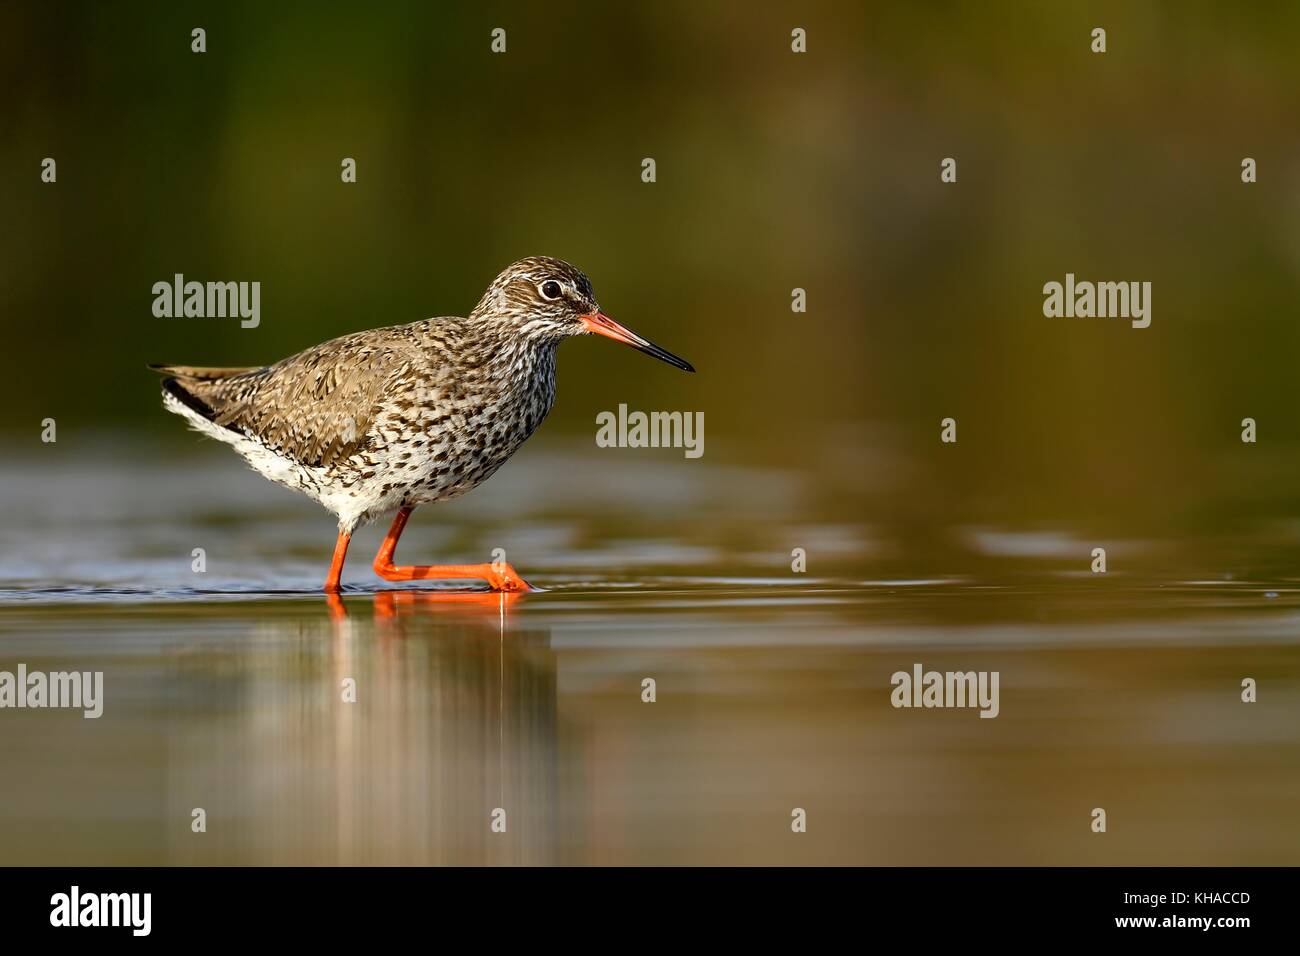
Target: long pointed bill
<point>602,324</point>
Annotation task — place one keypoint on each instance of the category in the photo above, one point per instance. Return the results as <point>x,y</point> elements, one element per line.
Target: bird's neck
<point>526,359</point>
<point>523,365</point>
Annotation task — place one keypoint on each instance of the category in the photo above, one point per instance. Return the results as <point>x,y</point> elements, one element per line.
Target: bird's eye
<point>550,289</point>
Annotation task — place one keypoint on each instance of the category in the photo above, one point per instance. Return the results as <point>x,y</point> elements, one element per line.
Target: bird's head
<point>548,299</point>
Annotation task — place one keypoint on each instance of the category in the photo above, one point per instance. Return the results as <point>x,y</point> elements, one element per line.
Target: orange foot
<point>499,575</point>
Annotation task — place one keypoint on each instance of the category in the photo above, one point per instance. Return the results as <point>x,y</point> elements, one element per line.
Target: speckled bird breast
<point>453,434</point>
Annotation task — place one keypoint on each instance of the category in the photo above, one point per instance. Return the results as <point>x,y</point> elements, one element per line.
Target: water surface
<point>224,688</point>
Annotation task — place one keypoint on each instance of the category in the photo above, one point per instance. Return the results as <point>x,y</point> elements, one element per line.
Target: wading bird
<point>393,418</point>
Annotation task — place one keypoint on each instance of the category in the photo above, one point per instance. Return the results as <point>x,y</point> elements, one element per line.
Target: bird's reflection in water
<point>397,729</point>
<point>391,603</point>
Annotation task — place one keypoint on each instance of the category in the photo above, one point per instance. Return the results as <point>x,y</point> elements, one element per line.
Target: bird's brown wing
<point>315,407</point>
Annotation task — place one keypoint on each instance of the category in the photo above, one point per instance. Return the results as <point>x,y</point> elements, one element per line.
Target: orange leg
<point>500,577</point>
<point>336,566</point>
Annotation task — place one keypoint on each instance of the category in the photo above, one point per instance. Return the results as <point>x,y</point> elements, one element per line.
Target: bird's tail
<point>197,387</point>
<point>199,372</point>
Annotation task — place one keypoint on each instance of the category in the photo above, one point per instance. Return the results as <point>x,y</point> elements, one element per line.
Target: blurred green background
<point>775,170</point>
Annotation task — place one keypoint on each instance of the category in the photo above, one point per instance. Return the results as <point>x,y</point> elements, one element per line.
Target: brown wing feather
<point>315,407</point>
